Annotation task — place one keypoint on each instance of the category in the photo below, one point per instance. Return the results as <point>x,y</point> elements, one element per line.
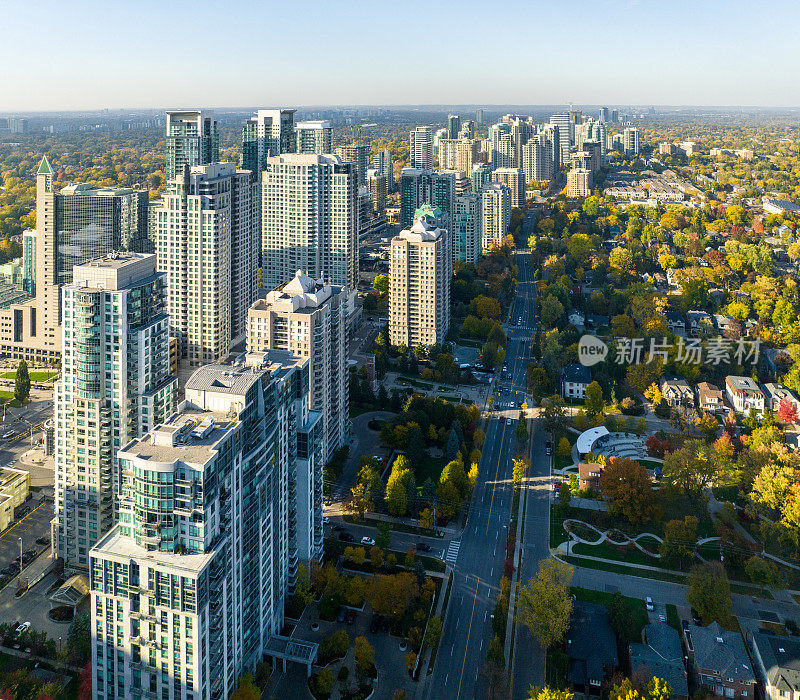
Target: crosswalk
<point>452,551</point>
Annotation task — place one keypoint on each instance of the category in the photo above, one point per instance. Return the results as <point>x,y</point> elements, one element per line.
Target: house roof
<point>662,656</point>
<point>574,372</point>
<point>591,644</point>
<point>781,659</point>
<point>742,383</point>
<point>723,653</point>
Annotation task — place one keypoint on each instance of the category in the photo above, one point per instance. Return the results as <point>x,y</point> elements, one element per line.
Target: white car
<point>648,603</point>
<point>368,541</point>
<point>24,627</point>
<point>508,421</point>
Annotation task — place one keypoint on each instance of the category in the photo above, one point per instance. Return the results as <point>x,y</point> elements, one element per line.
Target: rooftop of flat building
<point>303,294</point>
<point>115,546</point>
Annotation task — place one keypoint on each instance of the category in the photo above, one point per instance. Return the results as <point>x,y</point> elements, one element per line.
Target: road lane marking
<point>496,474</point>
<point>466,646</point>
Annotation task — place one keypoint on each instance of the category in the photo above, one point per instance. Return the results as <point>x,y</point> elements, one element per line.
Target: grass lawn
<point>622,569</point>
<point>34,376</point>
<point>631,555</point>
<point>429,467</point>
<point>557,534</point>
<point>393,527</point>
<point>650,464</point>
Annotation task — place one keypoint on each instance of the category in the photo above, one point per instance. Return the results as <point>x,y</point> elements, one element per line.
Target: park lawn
<point>6,396</point>
<point>678,506</point>
<point>34,376</point>
<point>630,555</point>
<point>620,568</point>
<point>557,533</point>
<point>636,606</point>
<point>650,464</point>
<point>429,467</point>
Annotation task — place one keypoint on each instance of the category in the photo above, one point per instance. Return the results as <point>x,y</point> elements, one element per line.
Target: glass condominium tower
<point>217,506</point>
<point>192,139</point>
<point>115,385</point>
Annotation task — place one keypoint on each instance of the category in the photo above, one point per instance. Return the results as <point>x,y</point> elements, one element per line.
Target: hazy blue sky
<point>148,53</point>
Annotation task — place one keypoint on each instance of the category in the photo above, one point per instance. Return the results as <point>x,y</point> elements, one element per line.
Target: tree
<point>545,602</point>
<point>302,586</point>
<point>692,467</point>
<point>364,655</point>
<point>376,556</point>
<point>763,572</point>
<point>324,682</point>
<point>680,537</point>
<point>381,284</point>
<point>521,431</point>
<point>520,469</point>
<point>247,689</point>
<point>335,645</point>
<point>554,413</point>
<point>434,632</point>
<point>411,661</point>
<point>397,487</point>
<point>709,591</point>
<point>549,694</point>
<point>360,500</point>
<point>620,618</point>
<point>564,449</point>
<point>594,399</point>
<point>564,496</point>
<point>552,310</point>
<point>787,411</point>
<point>628,489</point>
<point>22,383</point>
<point>426,518</point>
<point>390,595</point>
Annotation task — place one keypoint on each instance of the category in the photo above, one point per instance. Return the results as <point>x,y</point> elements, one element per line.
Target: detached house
<point>591,649</point>
<point>699,321</point>
<point>777,661</point>
<point>675,322</point>
<point>710,397</point>
<point>744,394</point>
<point>775,393</point>
<point>677,392</point>
<point>589,475</point>
<point>574,380</point>
<point>661,656</point>
<point>720,661</point>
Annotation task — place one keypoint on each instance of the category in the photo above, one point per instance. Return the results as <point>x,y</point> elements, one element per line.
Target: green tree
<point>709,591</point>
<point>545,602</point>
<point>22,383</point>
<point>692,467</point>
<point>324,682</point>
<point>397,487</point>
<point>564,449</point>
<point>247,689</point>
<point>594,399</point>
<point>434,632</point>
<point>552,310</point>
<point>364,655</point>
<point>763,572</point>
<point>381,283</point>
<point>549,694</point>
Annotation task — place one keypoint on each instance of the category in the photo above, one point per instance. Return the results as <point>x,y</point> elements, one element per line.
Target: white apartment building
<point>420,150</point>
<point>514,179</point>
<point>115,385</point>
<point>307,318</point>
<point>309,220</point>
<point>269,132</point>
<point>314,137</point>
<point>458,154</point>
<point>630,139</point>
<point>420,271</point>
<point>495,205</point>
<point>217,506</point>
<point>206,240</point>
<point>579,182</point>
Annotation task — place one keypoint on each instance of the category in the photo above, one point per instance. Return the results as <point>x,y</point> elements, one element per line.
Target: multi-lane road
<point>478,568</point>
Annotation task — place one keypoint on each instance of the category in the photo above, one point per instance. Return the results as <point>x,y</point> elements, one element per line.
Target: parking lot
<point>34,525</point>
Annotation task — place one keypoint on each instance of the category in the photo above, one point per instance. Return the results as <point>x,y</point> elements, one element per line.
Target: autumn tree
<point>594,399</point>
<point>564,449</point>
<point>690,468</point>
<point>360,501</point>
<point>391,595</point>
<point>397,486</point>
<point>787,411</point>
<point>679,539</point>
<point>549,694</point>
<point>709,591</point>
<point>545,602</point>
<point>364,655</point>
<point>627,487</point>
<point>434,632</point>
<point>247,689</point>
<point>520,469</point>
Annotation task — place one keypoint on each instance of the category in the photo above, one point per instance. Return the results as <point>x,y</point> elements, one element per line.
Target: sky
<point>88,54</point>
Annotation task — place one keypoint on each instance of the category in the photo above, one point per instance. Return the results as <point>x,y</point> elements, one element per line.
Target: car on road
<point>548,448</point>
<point>662,617</point>
<point>368,541</point>
<point>508,421</point>
<point>326,519</point>
<point>346,537</point>
<point>422,547</point>
<point>8,434</point>
<point>648,603</point>
<point>24,627</point>
<point>21,512</point>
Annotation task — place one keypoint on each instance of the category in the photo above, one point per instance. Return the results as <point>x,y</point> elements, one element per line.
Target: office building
<point>503,150</point>
<point>631,141</point>
<point>514,179</point>
<point>467,129</point>
<point>269,133</point>
<point>614,116</point>
<point>115,385</point>
<point>420,270</point>
<point>605,115</point>
<point>420,151</point>
<point>382,162</point>
<point>310,220</point>
<point>192,139</point>
<point>307,318</point>
<point>479,115</point>
<point>75,225</point>
<point>495,206</point>
<point>466,236</point>
<point>458,154</point>
<point>206,239</point>
<point>313,137</point>
<point>565,127</point>
<point>579,183</point>
<point>453,126</point>
<point>188,590</point>
<point>358,155</point>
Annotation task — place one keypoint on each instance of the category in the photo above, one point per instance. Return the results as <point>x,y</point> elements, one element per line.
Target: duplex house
<point>574,380</point>
<point>744,393</point>
<point>720,662</point>
<point>775,393</point>
<point>591,649</point>
<point>777,662</point>
<point>661,656</point>
<point>710,397</point>
<point>677,392</point>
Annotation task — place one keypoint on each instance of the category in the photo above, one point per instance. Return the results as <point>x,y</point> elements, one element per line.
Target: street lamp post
<point>20,554</point>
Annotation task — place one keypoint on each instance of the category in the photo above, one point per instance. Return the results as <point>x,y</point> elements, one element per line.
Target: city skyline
<point>662,57</point>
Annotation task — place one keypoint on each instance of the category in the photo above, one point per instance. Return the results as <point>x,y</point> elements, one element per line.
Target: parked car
<point>8,434</point>
<point>422,547</point>
<point>662,617</point>
<point>508,421</point>
<point>351,617</point>
<point>341,615</point>
<point>695,616</point>
<point>548,448</point>
<point>24,627</point>
<point>648,603</point>
<point>368,541</point>
<point>346,537</point>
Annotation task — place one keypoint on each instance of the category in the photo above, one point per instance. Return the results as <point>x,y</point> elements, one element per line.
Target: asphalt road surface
<point>478,567</point>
